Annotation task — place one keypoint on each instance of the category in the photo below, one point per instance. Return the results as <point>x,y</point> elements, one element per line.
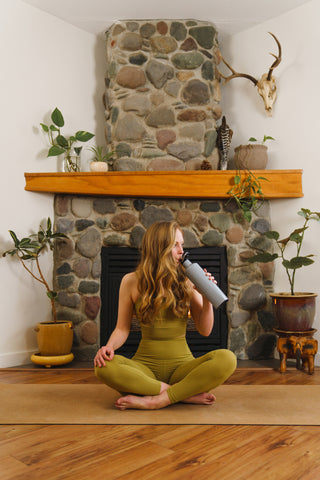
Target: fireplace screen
<point>117,261</point>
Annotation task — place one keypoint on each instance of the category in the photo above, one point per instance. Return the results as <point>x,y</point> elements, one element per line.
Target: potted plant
<point>294,311</point>
<point>55,337</point>
<point>247,192</point>
<point>253,156</point>
<point>61,144</point>
<point>101,159</point>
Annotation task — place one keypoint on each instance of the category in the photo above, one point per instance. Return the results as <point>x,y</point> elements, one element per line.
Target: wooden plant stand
<point>299,345</point>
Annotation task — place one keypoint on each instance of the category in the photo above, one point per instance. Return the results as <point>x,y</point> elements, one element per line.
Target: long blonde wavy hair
<point>161,283</point>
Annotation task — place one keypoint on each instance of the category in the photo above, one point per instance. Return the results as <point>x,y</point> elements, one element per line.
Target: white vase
<point>98,167</point>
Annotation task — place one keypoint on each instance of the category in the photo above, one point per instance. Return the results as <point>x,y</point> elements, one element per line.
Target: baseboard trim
<point>15,359</point>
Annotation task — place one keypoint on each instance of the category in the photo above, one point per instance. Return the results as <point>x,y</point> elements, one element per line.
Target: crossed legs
<point>190,382</point>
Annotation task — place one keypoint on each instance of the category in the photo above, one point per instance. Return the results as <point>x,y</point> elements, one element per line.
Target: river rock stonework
<point>162,96</point>
<point>93,222</point>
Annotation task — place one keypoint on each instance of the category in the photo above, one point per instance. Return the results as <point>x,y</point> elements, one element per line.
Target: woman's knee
<point>223,360</point>
<point>231,359</point>
<point>103,373</point>
<point>227,359</point>
<point>98,372</point>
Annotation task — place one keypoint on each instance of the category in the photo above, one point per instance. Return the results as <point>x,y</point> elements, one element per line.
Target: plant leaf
<point>272,234</point>
<point>55,150</point>
<point>57,118</point>
<point>28,256</point>
<point>14,238</point>
<point>62,141</point>
<point>237,179</point>
<point>52,295</point>
<point>295,237</point>
<point>83,136</point>
<point>247,215</point>
<point>59,235</point>
<point>45,128</point>
<point>10,252</point>
<point>77,150</point>
<point>297,262</point>
<point>264,257</point>
<point>267,137</point>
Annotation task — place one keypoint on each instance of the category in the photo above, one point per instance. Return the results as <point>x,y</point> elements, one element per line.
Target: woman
<point>163,370</point>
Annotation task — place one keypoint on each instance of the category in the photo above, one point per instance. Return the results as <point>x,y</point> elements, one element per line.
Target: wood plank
<point>164,184</point>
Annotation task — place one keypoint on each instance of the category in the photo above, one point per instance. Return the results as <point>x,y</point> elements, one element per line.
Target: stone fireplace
<point>93,222</point>
<point>161,108</point>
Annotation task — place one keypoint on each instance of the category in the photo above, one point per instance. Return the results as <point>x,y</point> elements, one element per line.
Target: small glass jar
<point>72,161</point>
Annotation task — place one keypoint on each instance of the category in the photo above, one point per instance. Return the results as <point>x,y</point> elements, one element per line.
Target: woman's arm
<point>122,329</point>
<point>202,312</point>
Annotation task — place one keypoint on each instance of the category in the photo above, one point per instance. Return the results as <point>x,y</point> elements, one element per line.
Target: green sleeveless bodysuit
<point>163,345</point>
<point>163,355</point>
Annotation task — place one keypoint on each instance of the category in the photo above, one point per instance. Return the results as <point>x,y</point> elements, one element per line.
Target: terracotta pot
<point>54,338</point>
<point>98,167</point>
<point>253,157</point>
<point>294,313</point>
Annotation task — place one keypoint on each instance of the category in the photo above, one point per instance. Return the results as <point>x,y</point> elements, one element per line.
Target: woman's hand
<point>103,354</point>
<point>211,277</point>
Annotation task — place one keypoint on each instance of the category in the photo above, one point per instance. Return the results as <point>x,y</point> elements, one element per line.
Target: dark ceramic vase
<point>294,313</point>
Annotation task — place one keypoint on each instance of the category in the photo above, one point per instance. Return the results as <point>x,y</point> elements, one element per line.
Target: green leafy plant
<point>247,192</point>
<point>101,154</point>
<point>296,237</point>
<point>30,248</point>
<point>265,138</point>
<point>61,144</point>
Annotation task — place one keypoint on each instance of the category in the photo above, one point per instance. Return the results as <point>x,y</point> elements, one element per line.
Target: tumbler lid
<point>184,258</point>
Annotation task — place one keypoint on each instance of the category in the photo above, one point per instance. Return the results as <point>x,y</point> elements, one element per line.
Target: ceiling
<point>229,16</point>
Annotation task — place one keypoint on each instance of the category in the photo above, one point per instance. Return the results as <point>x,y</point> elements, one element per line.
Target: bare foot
<point>147,402</point>
<point>201,399</point>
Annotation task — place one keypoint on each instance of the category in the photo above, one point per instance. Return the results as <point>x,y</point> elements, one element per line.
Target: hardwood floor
<point>170,452</point>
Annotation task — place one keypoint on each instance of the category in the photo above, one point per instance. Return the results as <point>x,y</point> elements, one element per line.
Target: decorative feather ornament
<point>224,136</point>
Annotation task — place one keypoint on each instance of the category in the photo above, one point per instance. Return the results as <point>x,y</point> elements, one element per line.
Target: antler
<point>236,74</point>
<point>266,85</point>
<point>277,58</point>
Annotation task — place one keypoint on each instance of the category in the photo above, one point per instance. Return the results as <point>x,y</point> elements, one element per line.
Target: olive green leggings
<point>186,375</point>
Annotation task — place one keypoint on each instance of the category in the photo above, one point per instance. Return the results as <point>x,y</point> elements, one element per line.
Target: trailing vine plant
<point>247,192</point>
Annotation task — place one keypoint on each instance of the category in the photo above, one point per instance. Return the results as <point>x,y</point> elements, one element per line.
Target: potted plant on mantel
<point>61,145</point>
<point>253,156</point>
<point>247,192</point>
<point>294,311</point>
<point>54,338</point>
<point>101,159</point>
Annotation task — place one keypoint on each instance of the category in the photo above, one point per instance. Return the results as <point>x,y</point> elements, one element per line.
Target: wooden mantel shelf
<point>168,184</point>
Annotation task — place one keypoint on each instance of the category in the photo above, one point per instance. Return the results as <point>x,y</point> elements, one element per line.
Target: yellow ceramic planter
<point>54,339</point>
<point>49,361</point>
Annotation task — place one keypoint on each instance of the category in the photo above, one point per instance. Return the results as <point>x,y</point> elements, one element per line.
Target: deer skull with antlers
<point>266,85</point>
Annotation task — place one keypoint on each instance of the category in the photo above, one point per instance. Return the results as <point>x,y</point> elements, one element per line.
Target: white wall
<point>45,63</point>
<point>295,120</point>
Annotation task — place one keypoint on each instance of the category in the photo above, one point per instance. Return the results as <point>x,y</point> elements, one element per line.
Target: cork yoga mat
<point>93,405</point>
